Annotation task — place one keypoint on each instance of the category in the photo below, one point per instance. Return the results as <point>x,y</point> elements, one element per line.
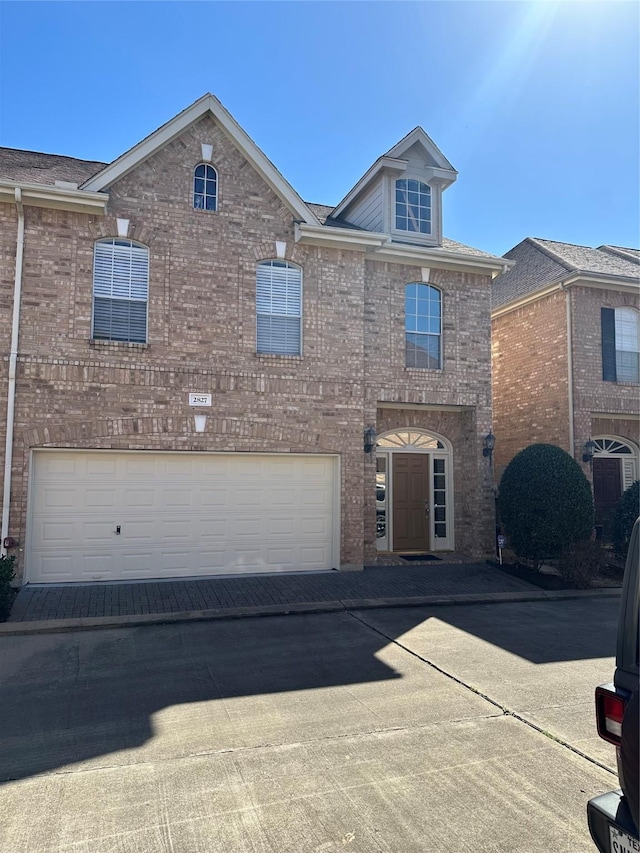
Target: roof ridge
<point>536,241</point>
<point>47,154</point>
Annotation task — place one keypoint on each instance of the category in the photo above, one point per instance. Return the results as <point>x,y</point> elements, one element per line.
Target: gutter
<point>13,361</point>
<point>379,247</point>
<point>60,198</point>
<point>602,281</point>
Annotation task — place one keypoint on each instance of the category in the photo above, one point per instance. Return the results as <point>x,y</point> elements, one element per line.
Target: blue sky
<point>536,104</point>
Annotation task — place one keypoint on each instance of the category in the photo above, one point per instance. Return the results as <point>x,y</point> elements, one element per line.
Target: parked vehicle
<point>614,818</point>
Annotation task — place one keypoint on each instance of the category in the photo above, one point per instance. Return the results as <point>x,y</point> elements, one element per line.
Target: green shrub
<point>545,503</point>
<point>624,518</point>
<point>7,574</point>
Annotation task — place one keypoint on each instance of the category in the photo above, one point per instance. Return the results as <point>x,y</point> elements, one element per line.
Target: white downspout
<point>572,443</point>
<point>13,361</point>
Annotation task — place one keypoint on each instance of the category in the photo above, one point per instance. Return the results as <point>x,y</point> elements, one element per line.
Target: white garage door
<point>107,515</point>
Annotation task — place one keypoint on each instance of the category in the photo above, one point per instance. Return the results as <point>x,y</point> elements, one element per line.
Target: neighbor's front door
<point>607,489</point>
<point>411,504</point>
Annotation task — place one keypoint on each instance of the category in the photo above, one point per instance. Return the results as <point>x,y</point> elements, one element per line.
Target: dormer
<point>401,194</point>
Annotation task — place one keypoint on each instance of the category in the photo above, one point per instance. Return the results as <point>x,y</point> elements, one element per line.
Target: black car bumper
<point>610,810</point>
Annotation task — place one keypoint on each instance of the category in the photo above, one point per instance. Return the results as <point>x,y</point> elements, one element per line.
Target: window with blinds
<point>279,308</point>
<point>120,291</point>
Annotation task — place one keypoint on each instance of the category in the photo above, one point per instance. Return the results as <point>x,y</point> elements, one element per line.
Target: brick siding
<point>74,392</point>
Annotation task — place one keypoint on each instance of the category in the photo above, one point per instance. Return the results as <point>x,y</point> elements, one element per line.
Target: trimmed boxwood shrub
<point>545,503</point>
<point>625,515</point>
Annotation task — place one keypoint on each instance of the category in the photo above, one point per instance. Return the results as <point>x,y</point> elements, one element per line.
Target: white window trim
<point>193,188</point>
<point>412,237</point>
<point>263,354</point>
<point>440,333</point>
<point>107,240</point>
<point>619,314</point>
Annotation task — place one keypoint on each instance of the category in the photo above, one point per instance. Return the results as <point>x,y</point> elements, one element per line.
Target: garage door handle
<point>117,530</point>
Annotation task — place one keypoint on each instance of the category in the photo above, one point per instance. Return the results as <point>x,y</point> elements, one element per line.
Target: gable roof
<point>38,168</point>
<point>419,135</point>
<point>542,263</point>
<point>393,159</point>
<point>206,105</point>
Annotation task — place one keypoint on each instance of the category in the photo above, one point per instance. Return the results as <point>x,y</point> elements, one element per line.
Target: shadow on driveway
<point>74,697</point>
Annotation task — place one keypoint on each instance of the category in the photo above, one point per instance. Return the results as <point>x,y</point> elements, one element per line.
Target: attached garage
<point>112,516</point>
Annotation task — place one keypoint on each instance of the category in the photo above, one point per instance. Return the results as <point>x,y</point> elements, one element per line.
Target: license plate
<point>621,842</point>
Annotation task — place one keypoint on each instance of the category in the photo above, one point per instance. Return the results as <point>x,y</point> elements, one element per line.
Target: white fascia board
<point>577,279</point>
<point>380,164</point>
<point>173,128</point>
<point>380,248</point>
<point>343,238</point>
<point>441,258</point>
<point>58,198</point>
<point>604,280</point>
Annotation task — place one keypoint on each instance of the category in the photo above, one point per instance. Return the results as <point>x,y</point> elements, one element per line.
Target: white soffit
<point>208,104</point>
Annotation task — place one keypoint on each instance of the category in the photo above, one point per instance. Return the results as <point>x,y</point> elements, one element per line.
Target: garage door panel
<point>138,498</point>
<point>180,514</point>
<point>102,499</point>
<point>101,466</point>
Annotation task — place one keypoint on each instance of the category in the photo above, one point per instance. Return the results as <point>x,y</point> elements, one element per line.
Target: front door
<point>410,501</point>
<point>607,489</point>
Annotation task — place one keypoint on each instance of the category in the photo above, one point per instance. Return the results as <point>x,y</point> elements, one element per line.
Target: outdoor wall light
<point>200,422</point>
<point>587,450</point>
<point>369,439</point>
<point>489,444</point>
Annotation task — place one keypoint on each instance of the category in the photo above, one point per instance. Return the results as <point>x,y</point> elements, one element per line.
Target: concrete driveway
<point>360,732</point>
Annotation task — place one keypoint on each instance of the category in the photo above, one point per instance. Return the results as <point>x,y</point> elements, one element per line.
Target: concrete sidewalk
<point>55,608</point>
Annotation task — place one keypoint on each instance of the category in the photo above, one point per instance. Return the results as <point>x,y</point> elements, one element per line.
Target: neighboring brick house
<point>188,279</point>
<point>565,327</point>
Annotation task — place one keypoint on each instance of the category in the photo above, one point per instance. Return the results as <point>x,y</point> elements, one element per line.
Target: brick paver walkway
<point>375,582</point>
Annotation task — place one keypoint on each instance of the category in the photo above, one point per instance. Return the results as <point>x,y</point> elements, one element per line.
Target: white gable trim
<point>380,164</point>
<point>418,135</point>
<point>208,104</point>
<point>443,172</point>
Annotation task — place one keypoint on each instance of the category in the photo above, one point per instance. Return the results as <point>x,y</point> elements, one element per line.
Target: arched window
<point>279,308</point>
<point>423,326</point>
<point>205,187</point>
<point>120,291</point>
<point>413,206</point>
<point>627,359</point>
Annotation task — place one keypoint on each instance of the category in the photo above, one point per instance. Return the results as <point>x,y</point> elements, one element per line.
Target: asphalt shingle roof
<point>35,167</point>
<point>540,263</point>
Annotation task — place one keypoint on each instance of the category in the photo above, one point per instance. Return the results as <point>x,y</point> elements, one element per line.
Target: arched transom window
<point>205,187</point>
<point>410,439</point>
<point>610,445</point>
<point>413,206</point>
<point>423,326</point>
